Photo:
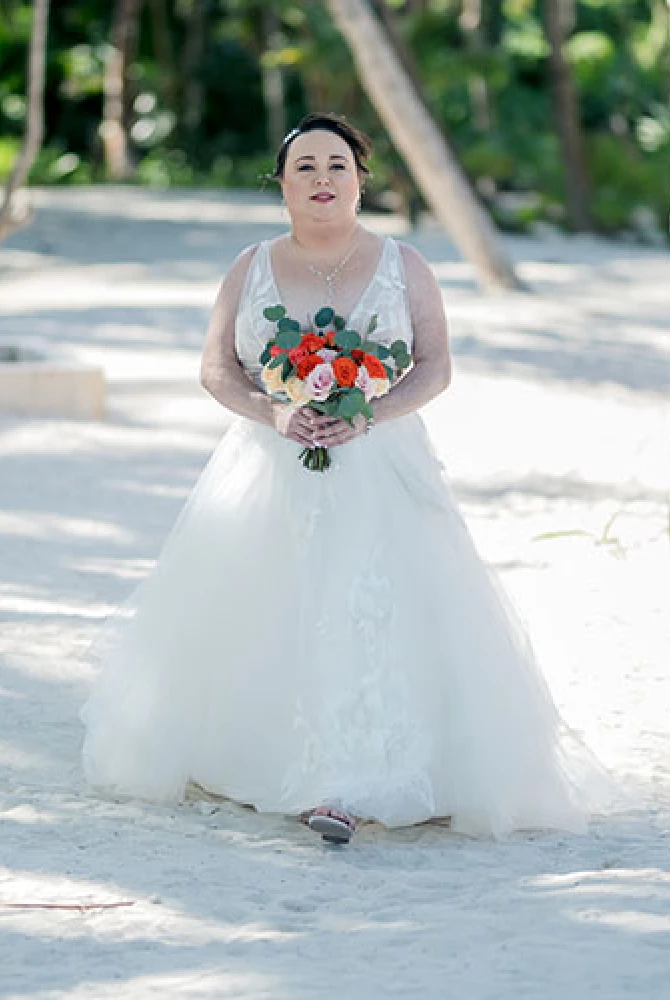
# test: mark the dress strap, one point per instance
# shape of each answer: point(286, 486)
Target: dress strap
point(396, 267)
point(395, 274)
point(257, 275)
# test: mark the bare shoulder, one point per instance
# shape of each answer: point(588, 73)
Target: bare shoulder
point(423, 290)
point(415, 264)
point(410, 254)
point(221, 328)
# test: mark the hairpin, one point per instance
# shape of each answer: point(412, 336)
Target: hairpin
point(290, 135)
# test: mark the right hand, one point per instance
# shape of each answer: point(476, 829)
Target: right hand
point(296, 424)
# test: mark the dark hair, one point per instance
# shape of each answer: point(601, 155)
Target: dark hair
point(358, 142)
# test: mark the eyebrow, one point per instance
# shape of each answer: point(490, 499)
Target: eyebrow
point(333, 156)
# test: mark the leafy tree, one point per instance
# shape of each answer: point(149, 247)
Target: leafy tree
point(15, 211)
point(209, 85)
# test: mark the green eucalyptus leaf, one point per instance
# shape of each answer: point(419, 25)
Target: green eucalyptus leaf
point(274, 313)
point(383, 352)
point(286, 325)
point(398, 346)
point(287, 369)
point(287, 340)
point(370, 347)
point(339, 322)
point(348, 340)
point(265, 356)
point(372, 325)
point(324, 317)
point(277, 361)
point(389, 372)
point(351, 404)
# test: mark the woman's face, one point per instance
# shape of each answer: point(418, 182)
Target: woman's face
point(320, 179)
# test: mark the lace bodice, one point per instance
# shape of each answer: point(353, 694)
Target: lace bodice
point(385, 295)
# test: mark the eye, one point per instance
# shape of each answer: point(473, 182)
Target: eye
point(304, 166)
point(338, 166)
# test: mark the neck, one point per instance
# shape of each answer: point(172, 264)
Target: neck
point(327, 241)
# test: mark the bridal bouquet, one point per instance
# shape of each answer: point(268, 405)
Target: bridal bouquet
point(329, 368)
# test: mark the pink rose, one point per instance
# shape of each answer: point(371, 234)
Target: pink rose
point(327, 354)
point(365, 381)
point(320, 381)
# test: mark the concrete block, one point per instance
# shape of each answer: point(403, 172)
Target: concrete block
point(41, 386)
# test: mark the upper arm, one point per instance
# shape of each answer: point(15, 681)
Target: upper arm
point(429, 322)
point(219, 346)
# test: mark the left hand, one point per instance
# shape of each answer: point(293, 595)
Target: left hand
point(330, 432)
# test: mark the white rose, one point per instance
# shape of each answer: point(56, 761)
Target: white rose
point(365, 382)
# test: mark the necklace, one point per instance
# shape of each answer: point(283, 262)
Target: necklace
point(329, 276)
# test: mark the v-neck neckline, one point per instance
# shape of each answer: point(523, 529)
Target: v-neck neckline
point(361, 297)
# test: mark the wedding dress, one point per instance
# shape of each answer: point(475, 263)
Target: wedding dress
point(309, 637)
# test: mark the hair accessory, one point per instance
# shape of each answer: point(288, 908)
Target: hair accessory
point(290, 135)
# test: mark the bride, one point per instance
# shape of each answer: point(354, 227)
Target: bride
point(329, 645)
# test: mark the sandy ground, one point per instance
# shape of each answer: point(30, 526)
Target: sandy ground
point(555, 432)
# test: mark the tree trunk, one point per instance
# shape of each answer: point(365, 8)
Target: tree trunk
point(113, 130)
point(273, 78)
point(15, 210)
point(434, 166)
point(472, 22)
point(194, 45)
point(566, 113)
point(163, 50)
point(389, 20)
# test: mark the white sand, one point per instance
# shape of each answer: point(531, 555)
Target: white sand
point(556, 424)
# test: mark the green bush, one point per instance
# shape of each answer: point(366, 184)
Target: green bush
point(9, 147)
point(625, 179)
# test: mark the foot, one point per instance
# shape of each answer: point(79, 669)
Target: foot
point(334, 825)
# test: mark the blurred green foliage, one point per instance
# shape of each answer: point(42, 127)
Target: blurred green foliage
point(209, 122)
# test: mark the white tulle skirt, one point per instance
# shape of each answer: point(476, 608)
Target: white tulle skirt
point(310, 637)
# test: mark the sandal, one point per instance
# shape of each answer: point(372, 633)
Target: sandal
point(334, 825)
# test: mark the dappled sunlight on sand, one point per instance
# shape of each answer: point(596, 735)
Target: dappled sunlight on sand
point(554, 435)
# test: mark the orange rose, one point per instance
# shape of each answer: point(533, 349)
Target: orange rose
point(345, 371)
point(308, 365)
point(312, 342)
point(358, 355)
point(298, 354)
point(374, 366)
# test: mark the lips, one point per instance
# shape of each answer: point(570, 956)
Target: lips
point(323, 196)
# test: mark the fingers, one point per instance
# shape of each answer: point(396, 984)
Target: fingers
point(302, 436)
point(320, 423)
point(338, 432)
point(311, 429)
point(300, 429)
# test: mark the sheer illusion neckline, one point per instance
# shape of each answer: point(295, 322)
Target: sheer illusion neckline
point(362, 296)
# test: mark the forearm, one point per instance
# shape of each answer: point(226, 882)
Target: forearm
point(230, 387)
point(423, 382)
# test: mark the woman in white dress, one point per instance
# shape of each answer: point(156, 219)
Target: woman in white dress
point(329, 645)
